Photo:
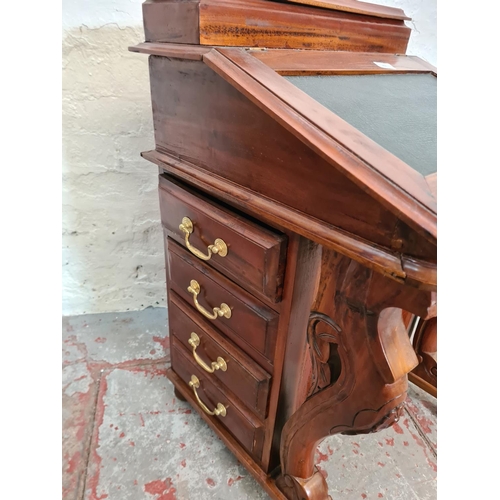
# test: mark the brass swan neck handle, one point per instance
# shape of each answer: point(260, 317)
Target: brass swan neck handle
point(219, 246)
point(224, 311)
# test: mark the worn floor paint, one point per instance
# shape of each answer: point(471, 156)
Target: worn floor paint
point(78, 404)
point(126, 437)
point(422, 408)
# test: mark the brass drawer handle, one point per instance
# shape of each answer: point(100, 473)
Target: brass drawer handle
point(220, 364)
point(220, 410)
point(218, 248)
point(223, 311)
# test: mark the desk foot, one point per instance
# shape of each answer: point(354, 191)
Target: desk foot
point(313, 488)
point(179, 395)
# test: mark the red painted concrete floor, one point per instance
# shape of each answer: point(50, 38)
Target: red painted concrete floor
point(126, 437)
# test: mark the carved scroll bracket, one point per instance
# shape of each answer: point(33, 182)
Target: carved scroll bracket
point(360, 355)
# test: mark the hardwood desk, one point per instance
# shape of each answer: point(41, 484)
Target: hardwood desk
point(297, 201)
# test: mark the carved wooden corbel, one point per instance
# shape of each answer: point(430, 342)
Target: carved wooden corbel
point(360, 354)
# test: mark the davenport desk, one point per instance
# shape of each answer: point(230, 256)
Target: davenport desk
point(296, 147)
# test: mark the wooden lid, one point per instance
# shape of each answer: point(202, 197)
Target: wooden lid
point(356, 7)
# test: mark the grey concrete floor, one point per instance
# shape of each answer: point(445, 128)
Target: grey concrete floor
point(126, 437)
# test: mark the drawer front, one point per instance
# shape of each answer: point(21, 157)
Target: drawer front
point(245, 427)
point(255, 255)
point(251, 325)
point(237, 372)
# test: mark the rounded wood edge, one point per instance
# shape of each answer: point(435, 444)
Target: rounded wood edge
point(408, 196)
point(370, 255)
point(419, 274)
point(173, 50)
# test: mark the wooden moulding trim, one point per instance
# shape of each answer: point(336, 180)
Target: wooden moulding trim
point(420, 271)
point(177, 51)
point(280, 9)
point(374, 257)
point(250, 464)
point(320, 62)
point(410, 199)
point(357, 7)
point(279, 358)
point(346, 135)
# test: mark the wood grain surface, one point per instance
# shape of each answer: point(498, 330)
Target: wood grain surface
point(247, 380)
point(252, 325)
point(255, 256)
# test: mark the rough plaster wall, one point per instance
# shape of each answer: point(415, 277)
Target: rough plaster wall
point(112, 242)
point(423, 40)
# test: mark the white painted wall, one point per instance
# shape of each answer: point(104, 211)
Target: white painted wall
point(112, 241)
point(423, 40)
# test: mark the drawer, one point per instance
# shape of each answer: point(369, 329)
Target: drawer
point(247, 380)
point(251, 325)
point(255, 255)
point(244, 426)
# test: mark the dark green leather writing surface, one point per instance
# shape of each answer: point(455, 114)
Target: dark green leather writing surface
point(398, 111)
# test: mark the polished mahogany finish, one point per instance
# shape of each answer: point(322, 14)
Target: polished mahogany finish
point(350, 25)
point(297, 248)
point(255, 255)
point(252, 325)
point(241, 375)
point(353, 377)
